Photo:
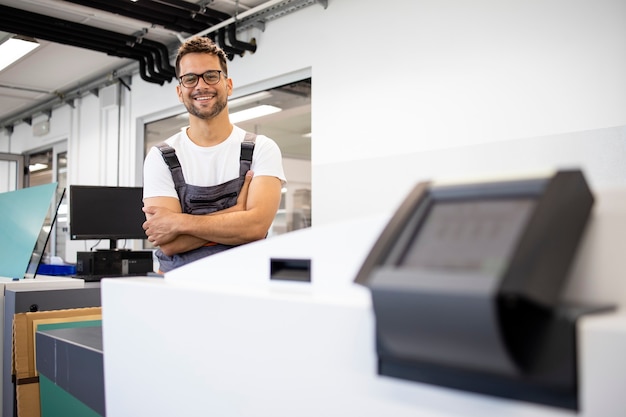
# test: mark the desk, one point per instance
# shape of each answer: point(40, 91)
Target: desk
point(42, 293)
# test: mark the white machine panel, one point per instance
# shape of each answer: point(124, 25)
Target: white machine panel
point(217, 337)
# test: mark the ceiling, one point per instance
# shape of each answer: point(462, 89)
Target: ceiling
point(87, 44)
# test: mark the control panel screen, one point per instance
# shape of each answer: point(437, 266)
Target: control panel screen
point(473, 235)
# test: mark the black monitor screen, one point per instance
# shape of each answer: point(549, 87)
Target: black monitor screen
point(472, 235)
point(103, 212)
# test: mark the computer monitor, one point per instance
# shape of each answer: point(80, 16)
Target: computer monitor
point(105, 212)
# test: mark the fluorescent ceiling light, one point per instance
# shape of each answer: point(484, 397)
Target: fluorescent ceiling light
point(262, 95)
point(253, 113)
point(37, 167)
point(13, 49)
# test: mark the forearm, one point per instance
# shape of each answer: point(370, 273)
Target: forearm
point(238, 227)
point(182, 243)
point(228, 228)
point(241, 224)
point(185, 237)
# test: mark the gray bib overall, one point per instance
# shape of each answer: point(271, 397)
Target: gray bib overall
point(203, 200)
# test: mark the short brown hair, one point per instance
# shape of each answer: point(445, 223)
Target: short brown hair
point(201, 44)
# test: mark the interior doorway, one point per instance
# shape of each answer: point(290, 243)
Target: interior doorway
point(44, 167)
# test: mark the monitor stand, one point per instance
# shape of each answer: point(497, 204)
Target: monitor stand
point(113, 247)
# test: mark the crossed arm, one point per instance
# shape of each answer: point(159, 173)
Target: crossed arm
point(249, 220)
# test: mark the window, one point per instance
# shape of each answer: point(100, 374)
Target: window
point(288, 123)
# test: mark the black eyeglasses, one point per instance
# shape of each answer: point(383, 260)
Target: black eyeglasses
point(210, 77)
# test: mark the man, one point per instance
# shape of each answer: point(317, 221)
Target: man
point(202, 194)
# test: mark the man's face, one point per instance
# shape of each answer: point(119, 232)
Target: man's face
point(203, 101)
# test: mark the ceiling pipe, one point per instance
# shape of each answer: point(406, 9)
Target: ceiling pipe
point(255, 15)
point(173, 18)
point(196, 8)
point(146, 65)
point(146, 60)
point(214, 38)
point(189, 16)
point(235, 43)
point(140, 13)
point(233, 47)
point(154, 54)
point(184, 16)
point(229, 49)
point(240, 16)
point(136, 10)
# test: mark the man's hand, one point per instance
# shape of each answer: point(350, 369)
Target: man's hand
point(161, 225)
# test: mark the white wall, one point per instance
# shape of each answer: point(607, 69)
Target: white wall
point(405, 91)
point(461, 83)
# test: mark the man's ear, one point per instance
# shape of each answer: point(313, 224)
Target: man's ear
point(229, 86)
point(179, 92)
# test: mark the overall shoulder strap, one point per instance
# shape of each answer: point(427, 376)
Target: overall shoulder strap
point(247, 148)
point(171, 160)
point(169, 155)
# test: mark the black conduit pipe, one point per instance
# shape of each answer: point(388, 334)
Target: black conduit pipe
point(138, 11)
point(74, 34)
point(33, 29)
point(177, 15)
point(195, 9)
point(214, 38)
point(234, 42)
point(221, 40)
point(153, 78)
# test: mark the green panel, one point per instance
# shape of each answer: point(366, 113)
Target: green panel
point(69, 324)
point(56, 402)
point(22, 215)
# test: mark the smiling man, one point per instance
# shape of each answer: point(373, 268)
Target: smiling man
point(211, 186)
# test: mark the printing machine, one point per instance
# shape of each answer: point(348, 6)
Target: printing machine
point(479, 299)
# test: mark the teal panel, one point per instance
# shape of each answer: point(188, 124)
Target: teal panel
point(56, 402)
point(22, 215)
point(69, 324)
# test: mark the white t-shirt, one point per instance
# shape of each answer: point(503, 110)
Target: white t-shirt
point(208, 166)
